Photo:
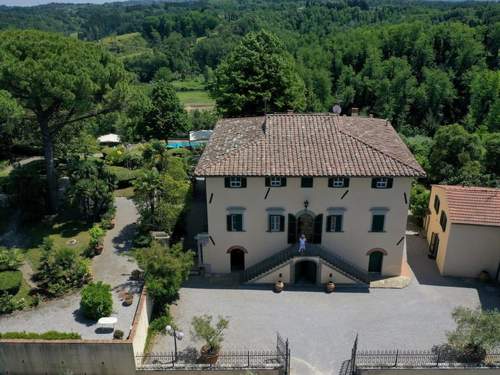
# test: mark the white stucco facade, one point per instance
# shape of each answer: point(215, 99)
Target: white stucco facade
point(357, 203)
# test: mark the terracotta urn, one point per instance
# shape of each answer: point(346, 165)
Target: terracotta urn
point(329, 287)
point(208, 356)
point(279, 286)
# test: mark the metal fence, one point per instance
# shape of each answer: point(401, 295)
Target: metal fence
point(410, 359)
point(241, 359)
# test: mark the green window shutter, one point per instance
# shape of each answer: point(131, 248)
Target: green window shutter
point(238, 222)
point(330, 184)
point(269, 218)
point(268, 181)
point(243, 182)
point(338, 223)
point(282, 223)
point(226, 182)
point(374, 183)
point(378, 223)
point(318, 228)
point(228, 223)
point(389, 183)
point(292, 229)
point(328, 223)
point(283, 181)
point(346, 182)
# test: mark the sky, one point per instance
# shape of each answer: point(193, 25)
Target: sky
point(39, 2)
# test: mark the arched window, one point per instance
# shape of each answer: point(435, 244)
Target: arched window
point(237, 258)
point(375, 261)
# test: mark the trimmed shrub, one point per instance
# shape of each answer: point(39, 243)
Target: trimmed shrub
point(118, 334)
point(10, 281)
point(125, 177)
point(49, 335)
point(96, 301)
point(10, 259)
point(7, 303)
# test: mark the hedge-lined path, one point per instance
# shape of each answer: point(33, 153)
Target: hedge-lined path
point(112, 267)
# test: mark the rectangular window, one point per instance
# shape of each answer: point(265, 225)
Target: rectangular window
point(276, 223)
point(306, 182)
point(443, 220)
point(235, 182)
point(378, 221)
point(275, 181)
point(235, 223)
point(382, 183)
point(434, 245)
point(437, 203)
point(338, 182)
point(334, 223)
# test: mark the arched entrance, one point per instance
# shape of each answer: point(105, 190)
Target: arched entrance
point(375, 261)
point(305, 226)
point(305, 272)
point(237, 259)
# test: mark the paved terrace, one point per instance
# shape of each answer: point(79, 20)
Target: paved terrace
point(113, 266)
point(322, 327)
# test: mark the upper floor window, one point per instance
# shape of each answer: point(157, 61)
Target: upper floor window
point(234, 222)
point(382, 183)
point(234, 182)
point(338, 182)
point(443, 220)
point(437, 203)
point(378, 222)
point(275, 181)
point(334, 223)
point(306, 182)
point(276, 223)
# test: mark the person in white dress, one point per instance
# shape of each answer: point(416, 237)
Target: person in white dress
point(302, 243)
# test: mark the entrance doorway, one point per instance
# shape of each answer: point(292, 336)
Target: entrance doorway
point(305, 272)
point(375, 262)
point(305, 226)
point(237, 260)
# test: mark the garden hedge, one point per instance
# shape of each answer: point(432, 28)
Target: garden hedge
point(10, 281)
point(49, 335)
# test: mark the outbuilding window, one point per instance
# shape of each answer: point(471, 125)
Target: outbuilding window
point(437, 203)
point(443, 220)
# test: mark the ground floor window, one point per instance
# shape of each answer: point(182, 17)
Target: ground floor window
point(276, 223)
point(235, 222)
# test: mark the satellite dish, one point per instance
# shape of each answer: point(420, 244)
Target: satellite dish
point(337, 109)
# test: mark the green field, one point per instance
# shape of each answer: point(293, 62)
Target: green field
point(195, 99)
point(126, 45)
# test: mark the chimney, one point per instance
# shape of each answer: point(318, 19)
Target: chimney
point(354, 111)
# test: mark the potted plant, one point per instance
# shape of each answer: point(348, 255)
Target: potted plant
point(330, 286)
point(128, 299)
point(279, 285)
point(96, 239)
point(212, 335)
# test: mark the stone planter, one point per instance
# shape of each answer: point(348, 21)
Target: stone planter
point(99, 249)
point(128, 299)
point(279, 286)
point(329, 287)
point(207, 356)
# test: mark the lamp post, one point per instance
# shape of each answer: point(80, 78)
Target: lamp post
point(178, 335)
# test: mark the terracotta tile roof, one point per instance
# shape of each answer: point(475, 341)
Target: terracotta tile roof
point(472, 205)
point(306, 145)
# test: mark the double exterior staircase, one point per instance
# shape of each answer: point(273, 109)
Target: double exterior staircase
point(336, 262)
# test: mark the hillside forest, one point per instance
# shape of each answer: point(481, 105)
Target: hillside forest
point(69, 73)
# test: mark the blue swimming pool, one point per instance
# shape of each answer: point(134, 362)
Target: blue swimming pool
point(175, 143)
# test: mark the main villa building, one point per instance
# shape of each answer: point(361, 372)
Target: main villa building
point(343, 183)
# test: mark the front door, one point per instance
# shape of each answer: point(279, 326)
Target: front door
point(375, 262)
point(305, 226)
point(237, 260)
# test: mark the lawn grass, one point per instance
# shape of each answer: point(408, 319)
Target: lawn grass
point(126, 45)
point(195, 98)
point(125, 193)
point(62, 229)
point(191, 84)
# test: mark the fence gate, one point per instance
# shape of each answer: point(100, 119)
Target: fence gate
point(283, 350)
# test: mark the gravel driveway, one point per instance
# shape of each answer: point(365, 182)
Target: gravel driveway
point(321, 328)
point(112, 267)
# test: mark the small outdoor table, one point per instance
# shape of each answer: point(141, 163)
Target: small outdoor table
point(107, 321)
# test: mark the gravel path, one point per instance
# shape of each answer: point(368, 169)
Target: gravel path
point(113, 266)
point(322, 327)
